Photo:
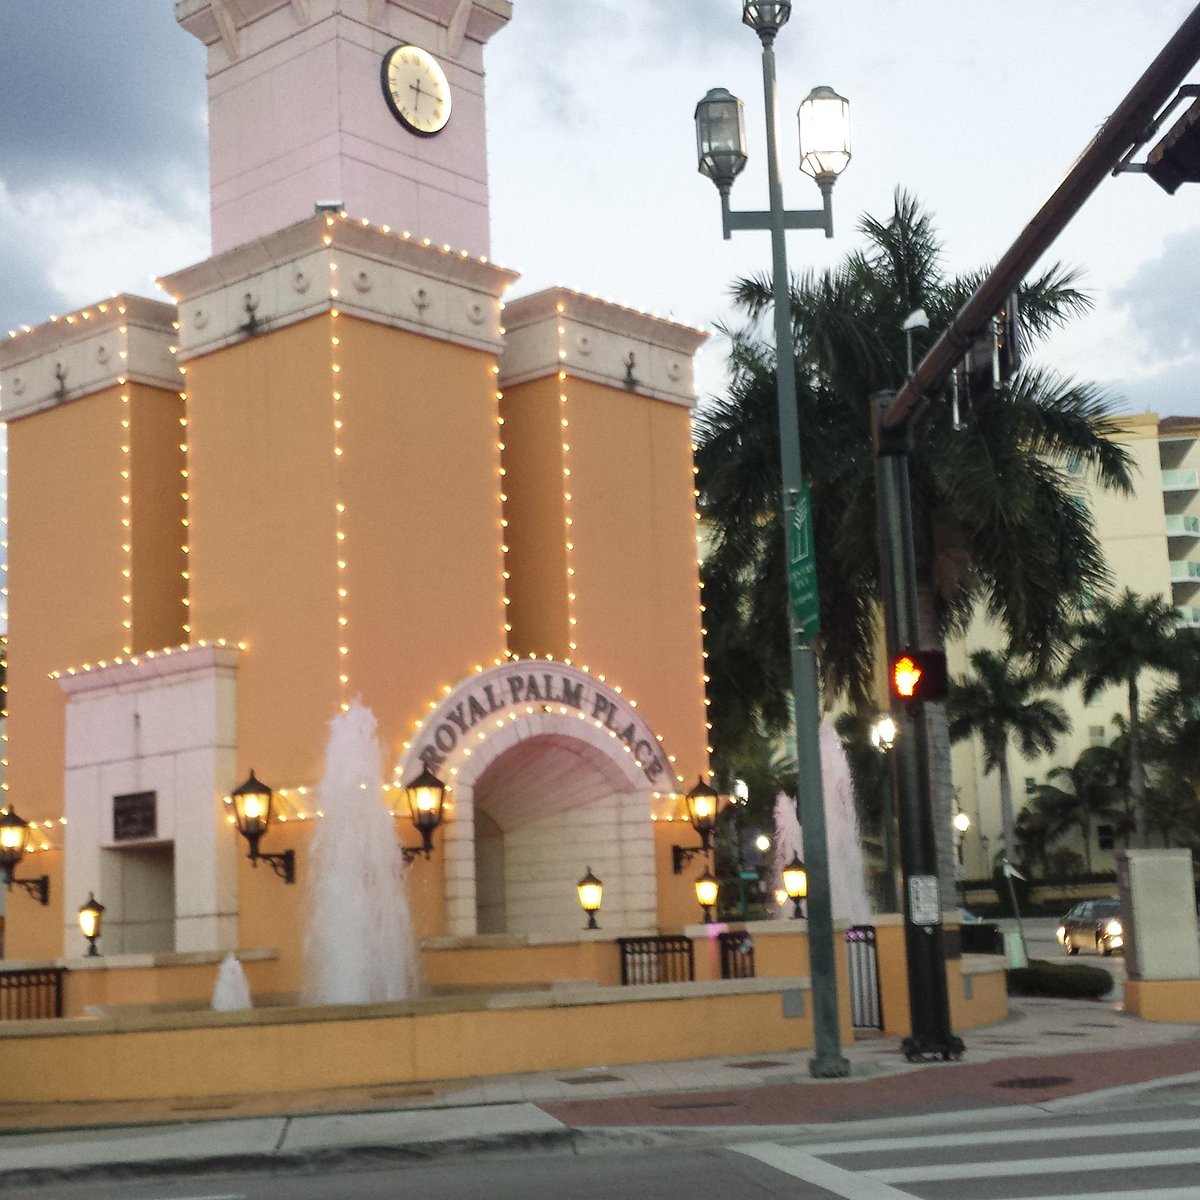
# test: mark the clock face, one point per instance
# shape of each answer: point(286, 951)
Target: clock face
point(417, 90)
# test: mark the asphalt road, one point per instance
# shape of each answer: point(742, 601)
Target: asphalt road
point(1132, 1148)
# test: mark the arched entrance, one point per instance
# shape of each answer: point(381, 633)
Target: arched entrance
point(551, 770)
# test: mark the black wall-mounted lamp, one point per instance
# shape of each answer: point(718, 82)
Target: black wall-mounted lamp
point(703, 806)
point(425, 794)
point(252, 810)
point(14, 842)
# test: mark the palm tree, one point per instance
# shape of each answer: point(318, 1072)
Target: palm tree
point(1082, 794)
point(998, 703)
point(1119, 639)
point(999, 525)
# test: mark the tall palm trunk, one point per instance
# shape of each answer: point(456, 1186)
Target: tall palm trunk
point(1137, 774)
point(1008, 821)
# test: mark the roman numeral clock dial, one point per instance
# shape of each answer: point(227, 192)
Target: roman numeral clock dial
point(416, 89)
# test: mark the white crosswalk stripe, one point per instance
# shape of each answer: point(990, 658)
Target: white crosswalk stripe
point(1065, 1156)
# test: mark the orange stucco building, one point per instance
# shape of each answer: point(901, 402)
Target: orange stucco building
point(339, 467)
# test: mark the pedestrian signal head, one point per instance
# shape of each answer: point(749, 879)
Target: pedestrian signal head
point(918, 675)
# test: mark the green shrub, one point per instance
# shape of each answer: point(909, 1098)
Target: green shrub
point(1069, 981)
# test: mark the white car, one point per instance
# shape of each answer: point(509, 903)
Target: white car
point(1095, 924)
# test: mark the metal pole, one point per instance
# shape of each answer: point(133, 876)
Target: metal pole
point(929, 1002)
point(828, 1062)
point(1125, 128)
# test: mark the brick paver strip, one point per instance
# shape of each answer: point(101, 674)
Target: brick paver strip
point(927, 1088)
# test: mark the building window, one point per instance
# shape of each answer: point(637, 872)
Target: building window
point(1030, 785)
point(1096, 735)
point(1106, 837)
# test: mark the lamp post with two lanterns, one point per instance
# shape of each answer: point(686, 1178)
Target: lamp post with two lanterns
point(824, 154)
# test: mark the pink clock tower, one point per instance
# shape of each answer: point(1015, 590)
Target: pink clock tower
point(298, 115)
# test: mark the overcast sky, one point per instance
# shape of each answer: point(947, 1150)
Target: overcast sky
point(979, 109)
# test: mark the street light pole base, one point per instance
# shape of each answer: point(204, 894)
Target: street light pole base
point(922, 1050)
point(829, 1066)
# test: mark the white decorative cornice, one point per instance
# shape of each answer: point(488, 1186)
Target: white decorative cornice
point(213, 21)
point(138, 671)
point(123, 339)
point(331, 261)
point(561, 330)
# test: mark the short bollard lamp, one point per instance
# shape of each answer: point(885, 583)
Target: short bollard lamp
point(707, 889)
point(90, 917)
point(252, 807)
point(425, 795)
point(795, 883)
point(14, 841)
point(591, 892)
point(703, 808)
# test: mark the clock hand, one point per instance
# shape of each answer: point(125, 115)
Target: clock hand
point(416, 87)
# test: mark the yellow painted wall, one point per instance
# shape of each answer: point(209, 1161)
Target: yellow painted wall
point(676, 896)
point(67, 561)
point(261, 489)
point(537, 556)
point(1163, 999)
point(420, 479)
point(636, 574)
point(158, 508)
point(481, 966)
point(257, 1052)
point(33, 932)
point(418, 483)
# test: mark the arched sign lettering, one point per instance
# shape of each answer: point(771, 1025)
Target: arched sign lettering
point(525, 686)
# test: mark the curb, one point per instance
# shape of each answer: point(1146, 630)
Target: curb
point(368, 1156)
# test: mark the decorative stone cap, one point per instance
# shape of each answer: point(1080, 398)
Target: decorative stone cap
point(217, 21)
point(103, 345)
point(593, 339)
point(332, 261)
point(138, 671)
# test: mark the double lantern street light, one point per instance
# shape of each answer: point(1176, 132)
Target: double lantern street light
point(253, 807)
point(824, 154)
point(703, 808)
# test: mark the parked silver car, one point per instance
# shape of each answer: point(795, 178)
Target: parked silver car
point(1095, 924)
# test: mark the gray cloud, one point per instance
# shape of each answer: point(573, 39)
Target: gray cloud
point(1173, 391)
point(102, 91)
point(26, 296)
point(1160, 297)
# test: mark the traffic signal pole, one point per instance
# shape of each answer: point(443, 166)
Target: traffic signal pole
point(929, 1001)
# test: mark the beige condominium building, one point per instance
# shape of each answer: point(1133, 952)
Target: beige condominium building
point(1151, 540)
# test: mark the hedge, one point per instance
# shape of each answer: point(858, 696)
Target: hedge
point(1071, 981)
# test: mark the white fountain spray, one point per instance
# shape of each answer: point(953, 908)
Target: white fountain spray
point(359, 948)
point(847, 879)
point(232, 989)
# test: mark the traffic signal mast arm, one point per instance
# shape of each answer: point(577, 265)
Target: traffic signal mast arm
point(1125, 128)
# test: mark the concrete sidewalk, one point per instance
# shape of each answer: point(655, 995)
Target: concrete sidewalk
point(1047, 1051)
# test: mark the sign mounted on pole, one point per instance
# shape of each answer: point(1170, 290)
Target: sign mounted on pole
point(803, 599)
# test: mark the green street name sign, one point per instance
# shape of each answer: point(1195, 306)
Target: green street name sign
point(803, 600)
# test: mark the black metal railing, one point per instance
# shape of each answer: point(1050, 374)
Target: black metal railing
point(665, 959)
point(737, 954)
point(31, 995)
point(865, 1008)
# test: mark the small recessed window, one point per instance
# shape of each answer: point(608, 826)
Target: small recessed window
point(1096, 735)
point(1106, 837)
point(1030, 785)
